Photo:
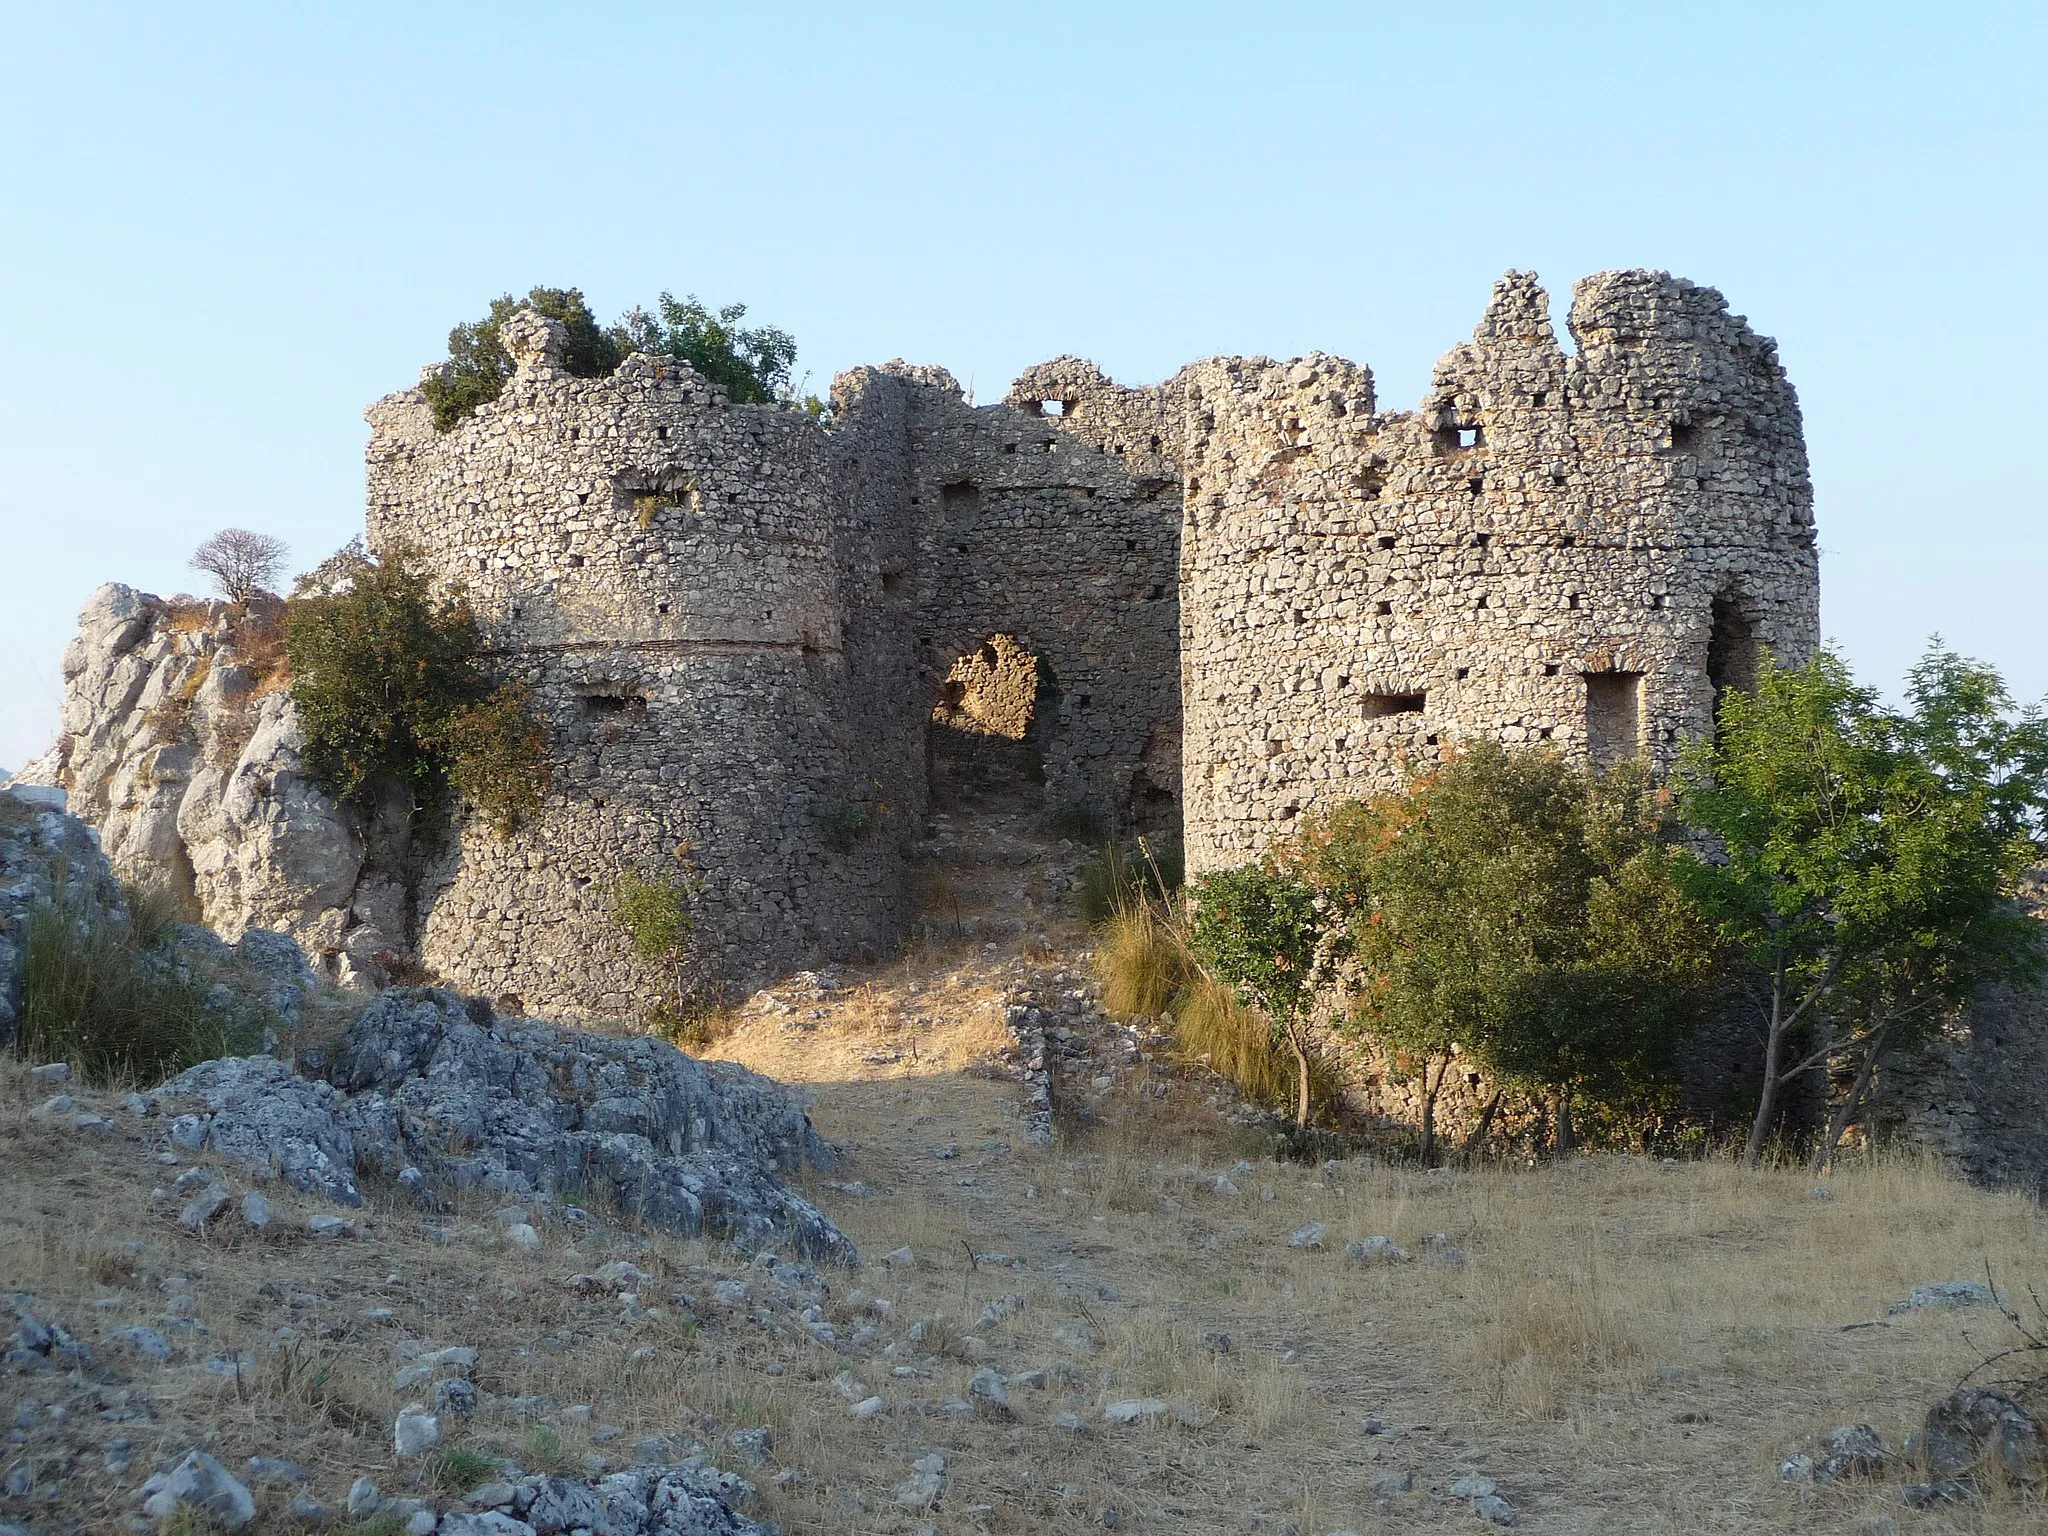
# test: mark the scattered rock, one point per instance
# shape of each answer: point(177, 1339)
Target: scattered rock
point(203, 1207)
point(144, 1341)
point(753, 1445)
point(1948, 1293)
point(202, 1485)
point(926, 1484)
point(1494, 1509)
point(1375, 1250)
point(1981, 1429)
point(256, 1210)
point(987, 1386)
point(415, 1432)
point(1309, 1236)
point(1134, 1409)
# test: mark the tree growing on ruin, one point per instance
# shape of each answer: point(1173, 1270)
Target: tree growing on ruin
point(389, 685)
point(1512, 911)
point(242, 563)
point(1865, 861)
point(1262, 931)
point(478, 364)
point(750, 363)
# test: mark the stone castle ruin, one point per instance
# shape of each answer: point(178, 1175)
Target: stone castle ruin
point(1202, 609)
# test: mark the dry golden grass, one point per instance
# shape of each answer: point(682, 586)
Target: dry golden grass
point(1536, 1362)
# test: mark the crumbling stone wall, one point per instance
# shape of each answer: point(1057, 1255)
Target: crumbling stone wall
point(1054, 518)
point(1566, 548)
point(668, 572)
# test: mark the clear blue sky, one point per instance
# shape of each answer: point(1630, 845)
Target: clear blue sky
point(224, 230)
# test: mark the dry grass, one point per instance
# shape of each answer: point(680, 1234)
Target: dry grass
point(1536, 1362)
point(1145, 970)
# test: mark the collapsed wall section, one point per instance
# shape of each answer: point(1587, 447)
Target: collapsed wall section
point(1577, 549)
point(665, 571)
point(1052, 519)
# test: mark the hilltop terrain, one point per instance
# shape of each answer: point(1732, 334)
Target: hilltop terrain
point(1146, 1325)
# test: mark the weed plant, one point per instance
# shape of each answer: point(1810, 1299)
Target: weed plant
point(101, 990)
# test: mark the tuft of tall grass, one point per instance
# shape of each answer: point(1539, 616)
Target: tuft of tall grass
point(100, 991)
point(1145, 966)
point(1124, 876)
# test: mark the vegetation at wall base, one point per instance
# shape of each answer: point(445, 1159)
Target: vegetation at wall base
point(390, 689)
point(1866, 862)
point(101, 990)
point(657, 916)
point(1147, 969)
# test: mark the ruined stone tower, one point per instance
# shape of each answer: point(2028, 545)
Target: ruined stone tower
point(1579, 549)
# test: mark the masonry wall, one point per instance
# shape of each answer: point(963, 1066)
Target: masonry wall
point(669, 573)
point(1061, 531)
point(1573, 548)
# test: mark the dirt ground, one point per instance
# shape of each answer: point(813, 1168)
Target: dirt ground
point(1620, 1345)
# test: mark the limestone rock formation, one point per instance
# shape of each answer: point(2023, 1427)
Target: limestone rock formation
point(432, 1090)
point(178, 746)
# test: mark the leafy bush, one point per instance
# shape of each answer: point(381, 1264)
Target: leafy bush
point(1261, 930)
point(751, 364)
point(656, 914)
point(1512, 910)
point(1866, 860)
point(101, 989)
point(1146, 968)
point(479, 366)
point(386, 678)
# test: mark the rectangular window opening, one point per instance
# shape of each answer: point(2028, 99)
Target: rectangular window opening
point(1614, 723)
point(1380, 705)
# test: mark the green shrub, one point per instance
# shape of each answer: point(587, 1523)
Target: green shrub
point(479, 366)
point(388, 685)
point(1144, 964)
point(841, 826)
point(751, 364)
point(101, 990)
point(657, 917)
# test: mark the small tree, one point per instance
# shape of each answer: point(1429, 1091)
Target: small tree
point(750, 363)
point(478, 365)
point(242, 564)
point(389, 688)
point(656, 916)
point(1865, 860)
point(1262, 932)
point(1512, 910)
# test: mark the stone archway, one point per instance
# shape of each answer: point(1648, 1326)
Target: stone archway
point(987, 734)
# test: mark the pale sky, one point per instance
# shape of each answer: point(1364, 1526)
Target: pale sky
point(225, 230)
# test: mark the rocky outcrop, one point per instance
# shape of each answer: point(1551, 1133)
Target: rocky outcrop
point(45, 856)
point(181, 749)
point(430, 1090)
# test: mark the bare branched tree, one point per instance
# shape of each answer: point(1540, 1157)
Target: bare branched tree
point(241, 562)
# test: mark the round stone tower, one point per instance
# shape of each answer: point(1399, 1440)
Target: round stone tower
point(664, 569)
point(1579, 549)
